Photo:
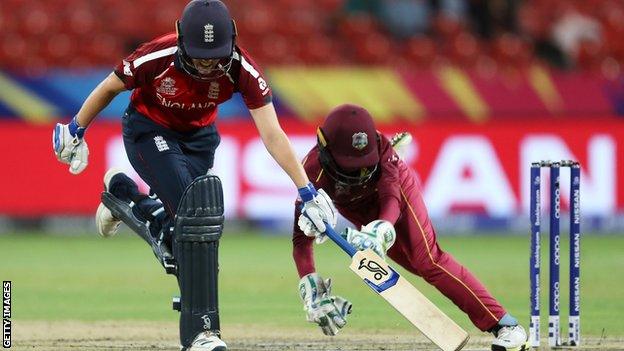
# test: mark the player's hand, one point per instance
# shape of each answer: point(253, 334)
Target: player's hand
point(378, 235)
point(70, 147)
point(329, 312)
point(318, 208)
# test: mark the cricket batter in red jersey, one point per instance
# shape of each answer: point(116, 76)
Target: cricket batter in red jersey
point(170, 138)
point(373, 188)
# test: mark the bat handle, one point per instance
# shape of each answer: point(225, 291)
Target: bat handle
point(339, 240)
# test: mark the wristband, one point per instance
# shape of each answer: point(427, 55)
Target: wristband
point(75, 129)
point(307, 193)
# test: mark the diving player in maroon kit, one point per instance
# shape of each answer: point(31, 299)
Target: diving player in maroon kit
point(373, 188)
point(170, 137)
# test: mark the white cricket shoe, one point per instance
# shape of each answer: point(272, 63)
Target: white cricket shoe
point(511, 339)
point(207, 341)
point(106, 224)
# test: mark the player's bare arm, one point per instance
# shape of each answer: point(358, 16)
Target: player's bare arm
point(318, 207)
point(99, 98)
point(277, 143)
point(68, 139)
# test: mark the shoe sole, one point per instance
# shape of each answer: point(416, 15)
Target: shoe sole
point(108, 176)
point(524, 347)
point(201, 348)
point(99, 223)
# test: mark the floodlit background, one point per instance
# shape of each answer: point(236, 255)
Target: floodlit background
point(484, 86)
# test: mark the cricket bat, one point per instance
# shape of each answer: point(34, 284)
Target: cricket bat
point(403, 296)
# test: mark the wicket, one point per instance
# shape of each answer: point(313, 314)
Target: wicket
point(554, 337)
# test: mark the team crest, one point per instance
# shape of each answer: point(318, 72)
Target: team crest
point(208, 33)
point(167, 86)
point(360, 140)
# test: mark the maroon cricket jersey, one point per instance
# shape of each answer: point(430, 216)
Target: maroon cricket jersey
point(396, 196)
point(378, 199)
point(174, 99)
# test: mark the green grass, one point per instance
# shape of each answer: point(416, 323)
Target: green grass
point(88, 278)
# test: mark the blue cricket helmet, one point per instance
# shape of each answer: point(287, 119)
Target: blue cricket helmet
point(206, 30)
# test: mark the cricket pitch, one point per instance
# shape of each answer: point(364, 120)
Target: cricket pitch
point(140, 335)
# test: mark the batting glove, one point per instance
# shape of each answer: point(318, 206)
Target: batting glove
point(328, 312)
point(318, 208)
point(70, 147)
point(378, 235)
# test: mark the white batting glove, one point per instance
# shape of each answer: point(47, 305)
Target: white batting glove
point(70, 147)
point(318, 208)
point(308, 228)
point(329, 312)
point(378, 235)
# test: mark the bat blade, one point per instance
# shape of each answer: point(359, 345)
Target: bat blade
point(408, 301)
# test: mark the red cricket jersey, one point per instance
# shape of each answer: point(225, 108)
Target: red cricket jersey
point(172, 98)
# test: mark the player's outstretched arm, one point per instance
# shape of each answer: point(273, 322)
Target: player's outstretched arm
point(68, 139)
point(99, 98)
point(277, 143)
point(317, 206)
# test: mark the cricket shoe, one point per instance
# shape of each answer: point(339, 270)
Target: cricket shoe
point(207, 341)
point(511, 338)
point(107, 225)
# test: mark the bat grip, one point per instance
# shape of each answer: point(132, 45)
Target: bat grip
point(339, 240)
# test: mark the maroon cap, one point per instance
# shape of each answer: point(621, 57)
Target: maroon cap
point(350, 136)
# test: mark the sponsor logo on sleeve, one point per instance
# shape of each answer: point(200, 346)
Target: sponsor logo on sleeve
point(126, 68)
